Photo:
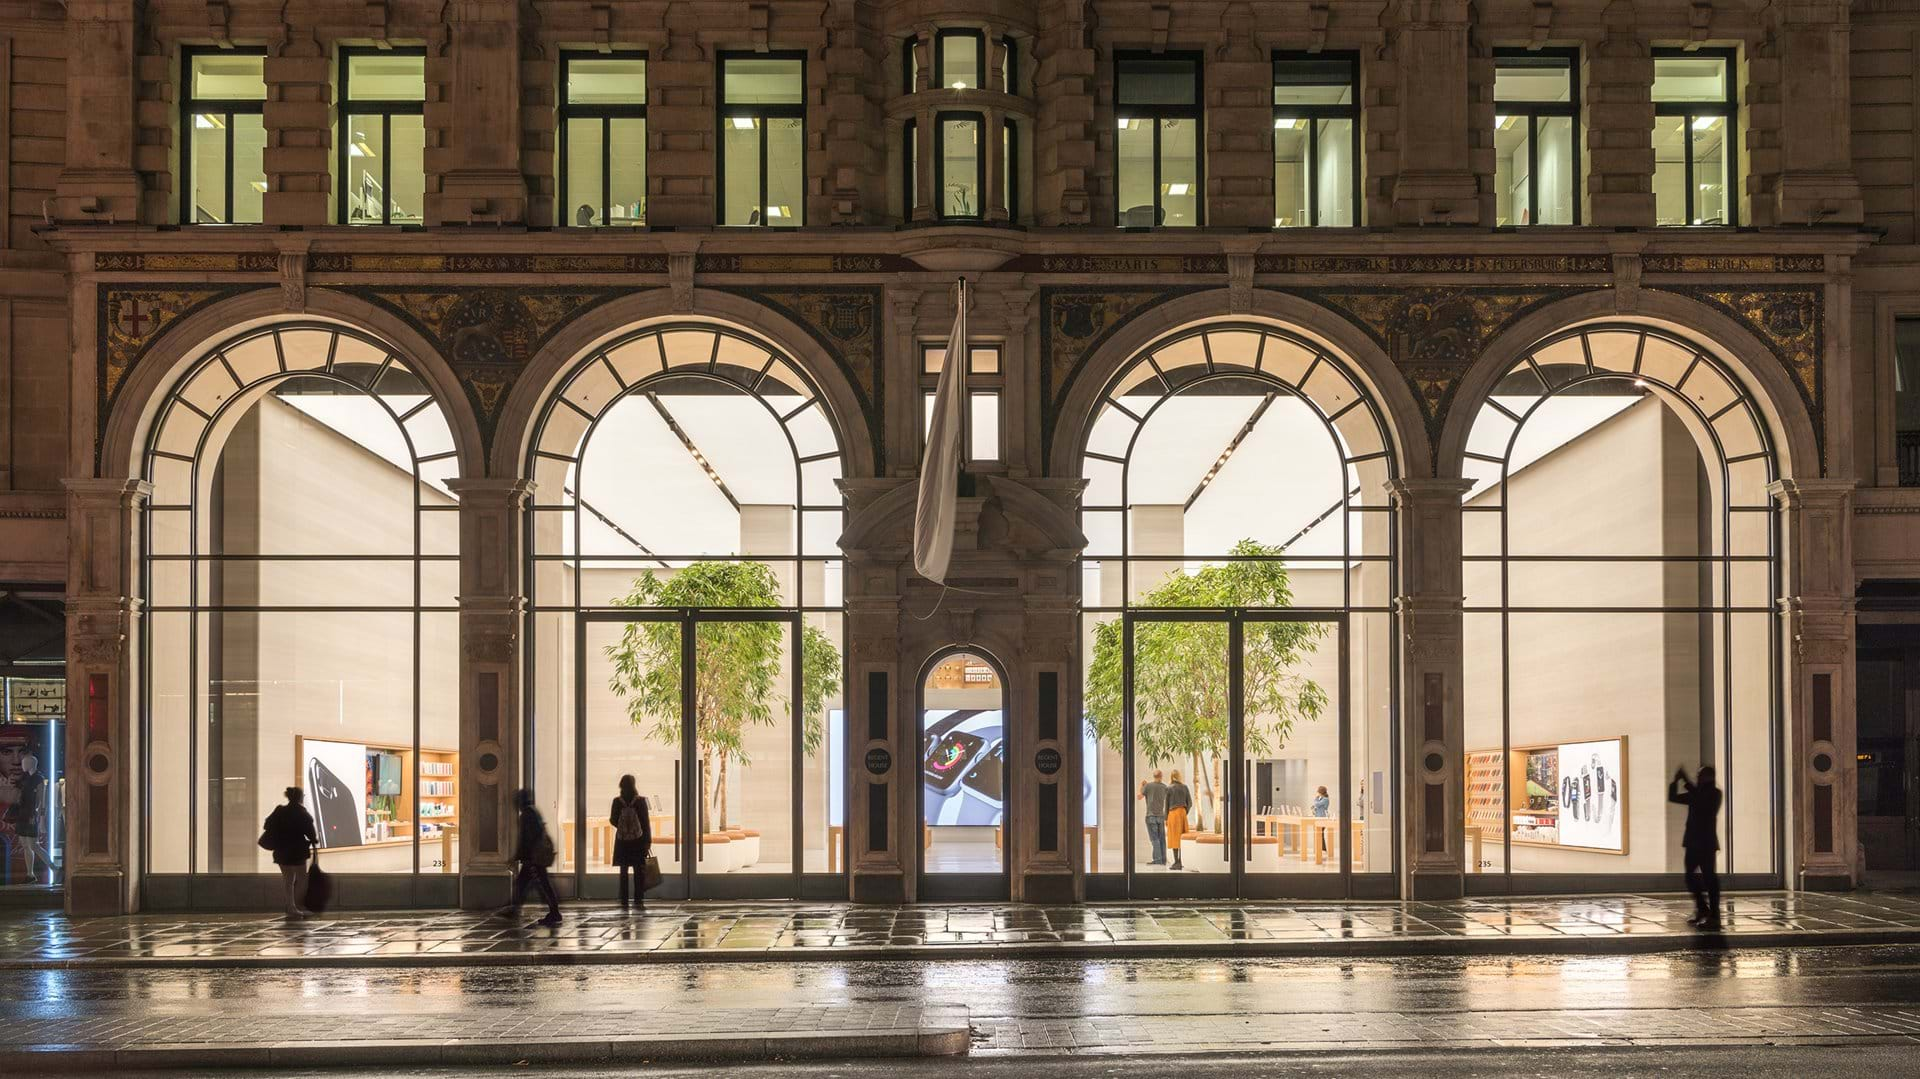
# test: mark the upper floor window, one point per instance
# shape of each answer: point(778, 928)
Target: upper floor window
point(382, 136)
point(1536, 128)
point(986, 383)
point(960, 164)
point(1010, 166)
point(603, 138)
point(1009, 66)
point(223, 177)
point(763, 139)
point(1316, 140)
point(1906, 398)
point(960, 59)
point(1157, 152)
point(1695, 172)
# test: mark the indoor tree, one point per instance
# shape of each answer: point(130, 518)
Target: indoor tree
point(1180, 675)
point(739, 668)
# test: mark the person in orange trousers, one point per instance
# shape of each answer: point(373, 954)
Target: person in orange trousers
point(1179, 803)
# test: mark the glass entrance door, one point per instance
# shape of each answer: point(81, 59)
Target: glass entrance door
point(1238, 749)
point(703, 710)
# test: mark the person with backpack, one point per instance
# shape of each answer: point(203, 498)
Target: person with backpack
point(290, 835)
point(632, 842)
point(534, 850)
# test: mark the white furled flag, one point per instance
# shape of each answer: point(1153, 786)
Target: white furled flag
point(933, 516)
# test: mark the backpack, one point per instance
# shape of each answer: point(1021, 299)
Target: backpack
point(270, 831)
point(627, 828)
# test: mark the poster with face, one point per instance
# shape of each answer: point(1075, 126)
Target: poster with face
point(334, 775)
point(1592, 773)
point(25, 752)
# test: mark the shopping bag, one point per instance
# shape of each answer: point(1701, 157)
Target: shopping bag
point(650, 874)
point(319, 887)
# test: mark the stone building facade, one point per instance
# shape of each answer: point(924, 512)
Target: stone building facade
point(492, 297)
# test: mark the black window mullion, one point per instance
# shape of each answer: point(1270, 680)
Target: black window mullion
point(386, 168)
point(1533, 165)
point(1686, 148)
point(1313, 170)
point(606, 169)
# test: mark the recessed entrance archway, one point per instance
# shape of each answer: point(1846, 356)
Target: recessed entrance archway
point(963, 795)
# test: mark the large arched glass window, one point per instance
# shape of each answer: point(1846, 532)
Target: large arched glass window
point(686, 620)
point(1620, 575)
point(301, 575)
point(1238, 586)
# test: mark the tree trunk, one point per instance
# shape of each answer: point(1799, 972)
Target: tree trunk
point(706, 795)
point(721, 794)
point(1219, 802)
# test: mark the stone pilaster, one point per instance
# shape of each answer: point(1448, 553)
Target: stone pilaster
point(1048, 859)
point(1619, 126)
point(1818, 610)
point(1435, 184)
point(1432, 671)
point(482, 181)
point(1063, 137)
point(492, 607)
point(299, 118)
point(539, 129)
point(1816, 183)
point(99, 182)
point(882, 732)
point(855, 77)
point(1239, 127)
point(102, 733)
point(681, 97)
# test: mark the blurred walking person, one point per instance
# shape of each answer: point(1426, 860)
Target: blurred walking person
point(1154, 794)
point(1700, 842)
point(29, 816)
point(1179, 804)
point(533, 849)
point(632, 842)
point(290, 835)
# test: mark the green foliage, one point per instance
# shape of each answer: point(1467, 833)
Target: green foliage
point(1180, 672)
point(739, 667)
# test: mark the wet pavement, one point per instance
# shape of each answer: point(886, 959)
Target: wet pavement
point(1801, 999)
point(698, 932)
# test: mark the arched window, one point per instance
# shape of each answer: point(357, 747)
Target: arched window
point(301, 629)
point(1620, 575)
point(686, 620)
point(1238, 586)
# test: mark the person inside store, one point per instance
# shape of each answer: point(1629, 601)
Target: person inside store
point(290, 835)
point(632, 842)
point(533, 849)
point(1179, 804)
point(1322, 805)
point(1700, 842)
point(1154, 793)
point(28, 816)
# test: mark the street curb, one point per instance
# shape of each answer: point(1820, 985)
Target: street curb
point(933, 1041)
point(1358, 948)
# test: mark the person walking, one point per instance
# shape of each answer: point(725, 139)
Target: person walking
point(1700, 842)
point(632, 842)
point(1154, 794)
point(290, 835)
point(1179, 804)
point(534, 851)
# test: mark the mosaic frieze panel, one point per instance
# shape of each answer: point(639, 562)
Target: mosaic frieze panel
point(1402, 264)
point(486, 334)
point(845, 320)
point(1075, 323)
point(132, 318)
point(1790, 321)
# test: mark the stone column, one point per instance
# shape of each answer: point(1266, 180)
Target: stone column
point(1063, 138)
point(483, 181)
point(102, 734)
point(855, 128)
point(1816, 184)
point(1239, 128)
point(1619, 121)
point(1436, 184)
point(682, 146)
point(1432, 672)
point(493, 599)
point(881, 766)
point(1048, 853)
point(1818, 612)
point(99, 182)
point(299, 119)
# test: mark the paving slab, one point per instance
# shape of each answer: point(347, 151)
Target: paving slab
point(750, 932)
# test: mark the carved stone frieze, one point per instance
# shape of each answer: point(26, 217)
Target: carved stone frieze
point(131, 319)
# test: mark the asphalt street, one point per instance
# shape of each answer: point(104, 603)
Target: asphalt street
point(1753, 1013)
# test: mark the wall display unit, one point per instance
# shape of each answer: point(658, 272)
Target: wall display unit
point(1570, 794)
point(363, 794)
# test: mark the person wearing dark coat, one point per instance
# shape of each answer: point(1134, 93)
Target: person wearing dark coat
point(533, 850)
point(1700, 842)
point(290, 835)
point(632, 842)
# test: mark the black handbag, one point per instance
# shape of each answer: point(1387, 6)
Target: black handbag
point(319, 887)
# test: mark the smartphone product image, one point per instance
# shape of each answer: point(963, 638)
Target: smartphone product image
point(336, 815)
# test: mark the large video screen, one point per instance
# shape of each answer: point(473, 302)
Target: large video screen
point(963, 766)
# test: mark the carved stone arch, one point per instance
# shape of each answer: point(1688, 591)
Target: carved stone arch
point(1377, 372)
point(1036, 527)
point(519, 419)
point(1796, 438)
point(123, 436)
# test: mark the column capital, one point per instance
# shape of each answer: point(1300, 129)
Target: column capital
point(118, 490)
point(1414, 489)
point(491, 488)
point(1798, 494)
